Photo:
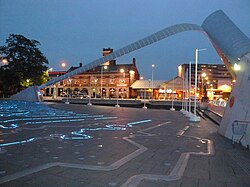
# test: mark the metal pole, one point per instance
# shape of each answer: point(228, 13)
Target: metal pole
point(195, 118)
point(152, 86)
point(67, 101)
point(183, 94)
point(117, 92)
point(172, 108)
point(67, 95)
point(189, 89)
point(186, 91)
point(95, 88)
point(195, 80)
point(202, 94)
point(89, 103)
point(144, 106)
point(101, 79)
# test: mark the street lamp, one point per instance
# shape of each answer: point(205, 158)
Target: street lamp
point(102, 67)
point(63, 64)
point(183, 94)
point(117, 92)
point(172, 108)
point(5, 61)
point(89, 92)
point(54, 91)
point(95, 87)
point(186, 93)
point(123, 82)
point(203, 75)
point(188, 113)
point(67, 101)
point(153, 66)
point(28, 82)
point(236, 67)
point(195, 118)
point(144, 105)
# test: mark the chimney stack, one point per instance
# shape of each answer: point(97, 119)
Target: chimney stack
point(134, 61)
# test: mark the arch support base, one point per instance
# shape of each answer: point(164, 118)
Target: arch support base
point(28, 94)
point(238, 107)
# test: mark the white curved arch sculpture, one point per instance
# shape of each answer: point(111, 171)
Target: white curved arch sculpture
point(169, 31)
point(230, 43)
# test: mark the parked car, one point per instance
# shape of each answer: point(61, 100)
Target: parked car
point(83, 95)
point(63, 94)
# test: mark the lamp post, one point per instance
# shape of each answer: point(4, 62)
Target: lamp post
point(28, 82)
point(195, 118)
point(67, 101)
point(95, 87)
point(89, 94)
point(236, 67)
point(54, 92)
point(186, 93)
point(172, 108)
point(144, 104)
point(63, 65)
point(102, 67)
point(203, 75)
point(70, 80)
point(152, 83)
point(117, 95)
point(183, 95)
point(4, 61)
point(188, 114)
point(123, 80)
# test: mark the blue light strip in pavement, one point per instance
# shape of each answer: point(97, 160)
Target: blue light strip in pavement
point(54, 121)
point(81, 134)
point(12, 126)
point(138, 122)
point(45, 118)
point(17, 142)
point(105, 118)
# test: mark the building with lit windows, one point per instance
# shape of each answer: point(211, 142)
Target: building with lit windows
point(214, 80)
point(159, 89)
point(110, 80)
point(57, 88)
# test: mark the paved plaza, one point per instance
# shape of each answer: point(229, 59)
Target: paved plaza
point(53, 144)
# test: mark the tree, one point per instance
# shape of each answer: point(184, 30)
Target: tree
point(26, 63)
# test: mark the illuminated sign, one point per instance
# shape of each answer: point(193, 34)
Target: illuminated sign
point(121, 85)
point(161, 91)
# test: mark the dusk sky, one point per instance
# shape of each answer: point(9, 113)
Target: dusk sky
point(77, 30)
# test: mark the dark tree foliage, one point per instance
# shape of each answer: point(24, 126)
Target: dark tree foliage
point(26, 64)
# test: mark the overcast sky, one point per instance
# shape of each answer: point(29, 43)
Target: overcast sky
point(76, 30)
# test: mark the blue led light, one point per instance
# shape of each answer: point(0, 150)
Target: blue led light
point(30, 113)
point(81, 134)
point(101, 118)
point(17, 142)
point(138, 122)
point(54, 121)
point(12, 126)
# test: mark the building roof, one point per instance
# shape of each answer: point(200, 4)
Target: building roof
point(111, 68)
point(56, 73)
point(142, 84)
point(175, 83)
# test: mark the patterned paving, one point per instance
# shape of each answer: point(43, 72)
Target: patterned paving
point(74, 145)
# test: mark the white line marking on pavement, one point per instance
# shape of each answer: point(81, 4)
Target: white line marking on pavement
point(179, 168)
point(142, 132)
point(113, 166)
point(182, 131)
